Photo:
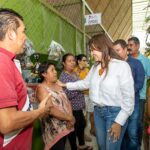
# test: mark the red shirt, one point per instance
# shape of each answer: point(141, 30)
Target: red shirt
point(13, 93)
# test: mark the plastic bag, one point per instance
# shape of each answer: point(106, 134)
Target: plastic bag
point(29, 50)
point(55, 51)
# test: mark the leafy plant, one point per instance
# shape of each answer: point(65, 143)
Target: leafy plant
point(147, 53)
point(147, 19)
point(148, 30)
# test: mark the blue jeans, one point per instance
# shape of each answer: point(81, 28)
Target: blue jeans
point(131, 138)
point(104, 118)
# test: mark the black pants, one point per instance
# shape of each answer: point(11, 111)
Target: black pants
point(60, 145)
point(141, 119)
point(79, 130)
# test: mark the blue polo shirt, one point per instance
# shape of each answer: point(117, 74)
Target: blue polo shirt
point(138, 74)
point(146, 64)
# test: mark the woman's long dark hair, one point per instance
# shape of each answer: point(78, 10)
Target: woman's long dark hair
point(103, 44)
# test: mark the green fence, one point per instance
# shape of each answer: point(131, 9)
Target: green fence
point(44, 25)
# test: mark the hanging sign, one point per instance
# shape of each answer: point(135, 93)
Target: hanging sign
point(93, 19)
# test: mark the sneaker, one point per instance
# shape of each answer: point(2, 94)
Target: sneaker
point(85, 147)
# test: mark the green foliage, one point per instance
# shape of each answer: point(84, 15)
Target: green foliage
point(148, 30)
point(148, 44)
point(147, 53)
point(37, 143)
point(147, 19)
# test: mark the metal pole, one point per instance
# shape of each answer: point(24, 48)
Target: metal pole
point(83, 26)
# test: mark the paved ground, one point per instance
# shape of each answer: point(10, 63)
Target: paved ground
point(93, 143)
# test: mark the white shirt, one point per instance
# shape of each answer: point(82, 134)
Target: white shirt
point(114, 89)
point(18, 65)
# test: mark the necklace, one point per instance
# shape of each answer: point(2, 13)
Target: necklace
point(101, 71)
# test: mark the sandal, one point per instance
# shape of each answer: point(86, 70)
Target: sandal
point(86, 148)
point(87, 138)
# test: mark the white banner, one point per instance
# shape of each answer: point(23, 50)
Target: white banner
point(93, 19)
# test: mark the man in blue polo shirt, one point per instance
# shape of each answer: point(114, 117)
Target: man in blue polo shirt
point(131, 139)
point(133, 47)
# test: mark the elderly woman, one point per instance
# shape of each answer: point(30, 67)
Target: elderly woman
point(111, 89)
point(60, 120)
point(77, 100)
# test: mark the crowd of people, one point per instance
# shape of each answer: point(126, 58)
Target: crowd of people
point(110, 95)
